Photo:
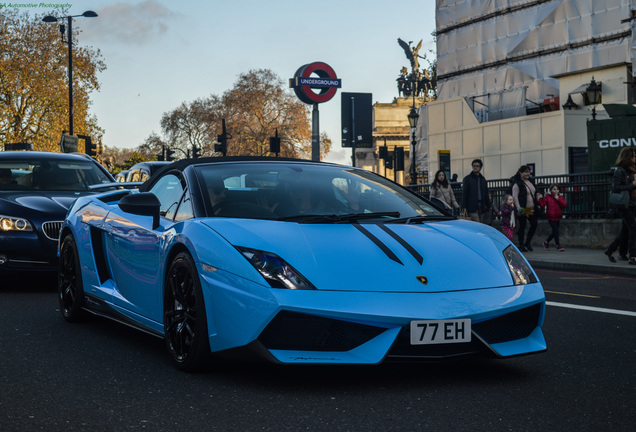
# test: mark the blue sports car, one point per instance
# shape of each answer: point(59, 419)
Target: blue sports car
point(298, 262)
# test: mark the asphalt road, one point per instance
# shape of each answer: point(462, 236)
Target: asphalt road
point(103, 376)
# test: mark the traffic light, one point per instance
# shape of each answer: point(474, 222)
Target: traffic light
point(388, 162)
point(196, 152)
point(89, 148)
point(383, 151)
point(274, 144)
point(169, 154)
point(221, 147)
point(399, 158)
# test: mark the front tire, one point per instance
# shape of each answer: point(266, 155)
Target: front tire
point(69, 281)
point(184, 317)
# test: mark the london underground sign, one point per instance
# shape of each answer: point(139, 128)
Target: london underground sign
point(315, 83)
point(326, 83)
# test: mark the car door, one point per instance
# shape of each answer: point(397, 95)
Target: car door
point(135, 252)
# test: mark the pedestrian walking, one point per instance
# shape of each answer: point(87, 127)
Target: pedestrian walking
point(475, 200)
point(554, 203)
point(525, 196)
point(623, 180)
point(508, 219)
point(442, 190)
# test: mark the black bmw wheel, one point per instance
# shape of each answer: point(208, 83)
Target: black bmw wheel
point(184, 319)
point(69, 281)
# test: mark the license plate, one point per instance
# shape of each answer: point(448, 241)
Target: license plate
point(440, 331)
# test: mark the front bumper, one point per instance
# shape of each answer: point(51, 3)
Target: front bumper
point(27, 251)
point(367, 328)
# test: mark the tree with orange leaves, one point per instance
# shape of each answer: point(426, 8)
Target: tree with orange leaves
point(258, 105)
point(34, 83)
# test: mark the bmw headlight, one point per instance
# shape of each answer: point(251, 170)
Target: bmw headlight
point(8, 223)
point(521, 272)
point(276, 271)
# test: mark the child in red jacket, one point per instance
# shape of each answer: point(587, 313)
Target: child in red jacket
point(554, 204)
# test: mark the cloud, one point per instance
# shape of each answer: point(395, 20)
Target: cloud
point(339, 155)
point(129, 23)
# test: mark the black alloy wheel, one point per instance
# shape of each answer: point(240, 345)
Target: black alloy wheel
point(184, 318)
point(69, 281)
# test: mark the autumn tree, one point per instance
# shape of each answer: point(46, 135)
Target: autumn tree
point(34, 82)
point(118, 159)
point(152, 146)
point(258, 105)
point(190, 125)
point(115, 159)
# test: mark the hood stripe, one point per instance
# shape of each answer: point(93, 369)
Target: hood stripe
point(378, 243)
point(402, 242)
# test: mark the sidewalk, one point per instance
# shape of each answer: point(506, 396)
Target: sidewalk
point(579, 260)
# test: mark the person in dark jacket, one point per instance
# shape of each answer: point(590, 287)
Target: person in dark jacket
point(525, 195)
point(623, 180)
point(475, 200)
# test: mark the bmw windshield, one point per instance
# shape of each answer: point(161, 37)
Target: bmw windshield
point(50, 175)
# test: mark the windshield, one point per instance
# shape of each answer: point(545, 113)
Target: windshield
point(50, 175)
point(306, 193)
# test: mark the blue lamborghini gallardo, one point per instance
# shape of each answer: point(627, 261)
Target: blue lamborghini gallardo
point(297, 262)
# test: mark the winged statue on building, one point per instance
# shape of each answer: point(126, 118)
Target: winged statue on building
point(417, 83)
point(412, 53)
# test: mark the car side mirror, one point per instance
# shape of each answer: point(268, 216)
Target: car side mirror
point(142, 204)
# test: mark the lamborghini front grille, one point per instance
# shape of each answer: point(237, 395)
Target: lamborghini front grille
point(301, 332)
point(509, 327)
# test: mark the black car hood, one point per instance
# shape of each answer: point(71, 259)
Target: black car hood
point(53, 203)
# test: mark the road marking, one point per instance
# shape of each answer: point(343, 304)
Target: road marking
point(588, 277)
point(590, 308)
point(591, 276)
point(572, 294)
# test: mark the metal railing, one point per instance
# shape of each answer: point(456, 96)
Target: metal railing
point(586, 194)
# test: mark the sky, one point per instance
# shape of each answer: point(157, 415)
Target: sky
point(161, 53)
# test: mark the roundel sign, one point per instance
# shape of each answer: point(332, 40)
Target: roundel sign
point(315, 83)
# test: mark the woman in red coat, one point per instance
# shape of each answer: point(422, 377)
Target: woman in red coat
point(554, 204)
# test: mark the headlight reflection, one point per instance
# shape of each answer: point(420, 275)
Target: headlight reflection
point(276, 271)
point(521, 272)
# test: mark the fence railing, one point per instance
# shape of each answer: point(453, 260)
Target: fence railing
point(586, 194)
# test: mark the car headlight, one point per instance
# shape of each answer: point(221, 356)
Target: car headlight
point(276, 271)
point(8, 223)
point(521, 272)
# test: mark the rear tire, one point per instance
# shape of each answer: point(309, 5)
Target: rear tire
point(69, 281)
point(184, 317)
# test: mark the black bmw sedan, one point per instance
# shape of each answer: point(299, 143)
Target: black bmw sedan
point(36, 190)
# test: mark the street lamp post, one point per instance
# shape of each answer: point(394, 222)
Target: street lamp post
point(593, 93)
point(413, 117)
point(569, 104)
point(69, 41)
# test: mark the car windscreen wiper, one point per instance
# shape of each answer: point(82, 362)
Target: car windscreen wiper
point(99, 186)
point(372, 215)
point(334, 218)
point(420, 219)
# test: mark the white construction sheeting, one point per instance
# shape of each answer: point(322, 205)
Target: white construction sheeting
point(487, 46)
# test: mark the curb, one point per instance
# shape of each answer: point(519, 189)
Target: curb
point(607, 270)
